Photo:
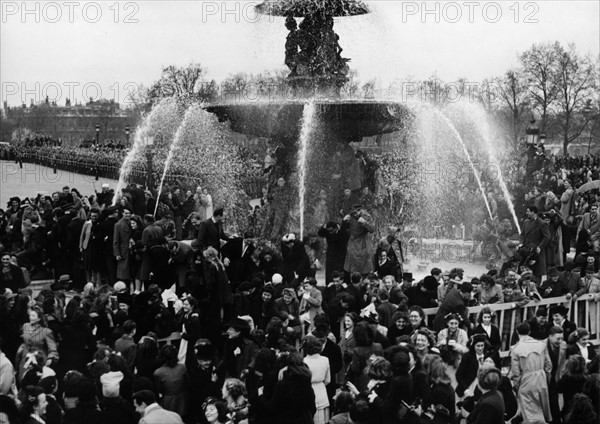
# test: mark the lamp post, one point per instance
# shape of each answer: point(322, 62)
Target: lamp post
point(97, 133)
point(149, 142)
point(532, 133)
point(127, 134)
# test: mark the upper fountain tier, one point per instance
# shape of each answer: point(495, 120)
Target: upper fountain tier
point(346, 120)
point(312, 48)
point(303, 8)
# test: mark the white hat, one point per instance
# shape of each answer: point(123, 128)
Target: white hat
point(277, 279)
point(120, 286)
point(105, 185)
point(289, 237)
point(47, 372)
point(110, 383)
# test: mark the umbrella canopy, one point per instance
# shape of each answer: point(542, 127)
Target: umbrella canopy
point(302, 8)
point(589, 186)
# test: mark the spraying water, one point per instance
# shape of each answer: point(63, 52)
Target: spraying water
point(307, 125)
point(159, 121)
point(480, 119)
point(127, 165)
point(456, 134)
point(174, 145)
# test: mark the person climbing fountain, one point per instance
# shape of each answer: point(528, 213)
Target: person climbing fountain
point(291, 46)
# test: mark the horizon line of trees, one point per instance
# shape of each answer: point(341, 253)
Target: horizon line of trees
point(555, 84)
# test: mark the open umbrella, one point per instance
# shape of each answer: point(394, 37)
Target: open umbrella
point(589, 186)
point(302, 8)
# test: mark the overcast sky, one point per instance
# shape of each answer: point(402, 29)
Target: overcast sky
point(66, 46)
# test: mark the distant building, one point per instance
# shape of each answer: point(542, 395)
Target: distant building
point(71, 123)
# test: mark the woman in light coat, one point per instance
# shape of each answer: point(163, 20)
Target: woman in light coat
point(321, 377)
point(38, 340)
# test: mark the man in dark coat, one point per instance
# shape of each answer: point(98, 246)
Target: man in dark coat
point(539, 325)
point(239, 252)
point(210, 232)
point(107, 233)
point(337, 242)
point(11, 275)
point(557, 350)
point(138, 199)
point(73, 231)
point(534, 239)
point(455, 302)
point(490, 408)
point(151, 236)
point(295, 259)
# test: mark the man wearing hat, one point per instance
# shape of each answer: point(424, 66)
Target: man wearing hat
point(205, 377)
point(424, 293)
point(239, 350)
point(114, 407)
point(528, 286)
point(63, 283)
point(455, 302)
point(559, 314)
point(534, 238)
point(295, 259)
point(358, 257)
point(554, 285)
point(121, 236)
point(107, 233)
point(105, 197)
point(337, 242)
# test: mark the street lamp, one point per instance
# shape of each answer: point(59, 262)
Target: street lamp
point(532, 133)
point(97, 133)
point(148, 141)
point(127, 134)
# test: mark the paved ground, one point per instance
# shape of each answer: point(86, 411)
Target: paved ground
point(34, 179)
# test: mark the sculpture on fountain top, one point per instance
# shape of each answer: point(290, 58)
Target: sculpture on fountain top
point(312, 49)
point(313, 53)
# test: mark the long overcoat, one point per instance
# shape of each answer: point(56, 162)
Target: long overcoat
point(358, 253)
point(536, 234)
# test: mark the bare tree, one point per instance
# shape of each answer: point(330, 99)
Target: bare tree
point(184, 83)
point(539, 65)
point(487, 95)
point(577, 86)
point(512, 90)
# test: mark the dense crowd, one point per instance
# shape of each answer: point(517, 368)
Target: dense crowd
point(166, 317)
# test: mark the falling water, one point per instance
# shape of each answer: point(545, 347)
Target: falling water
point(447, 121)
point(127, 166)
point(174, 145)
point(480, 119)
point(150, 124)
point(307, 125)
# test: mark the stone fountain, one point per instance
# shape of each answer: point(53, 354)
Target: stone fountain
point(312, 186)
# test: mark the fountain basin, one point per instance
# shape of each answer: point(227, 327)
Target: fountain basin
point(350, 120)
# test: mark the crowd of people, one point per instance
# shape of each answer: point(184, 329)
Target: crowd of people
point(176, 320)
point(157, 314)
